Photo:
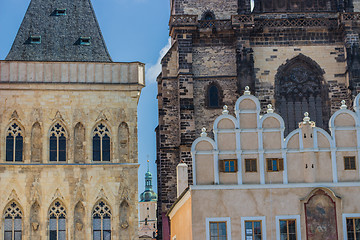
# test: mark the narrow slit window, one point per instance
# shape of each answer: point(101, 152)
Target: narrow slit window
point(86, 41)
point(60, 12)
point(35, 39)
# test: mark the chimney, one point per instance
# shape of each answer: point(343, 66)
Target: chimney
point(182, 177)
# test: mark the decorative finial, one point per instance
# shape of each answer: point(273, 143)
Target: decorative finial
point(148, 163)
point(247, 91)
point(203, 132)
point(270, 109)
point(225, 110)
point(306, 118)
point(343, 104)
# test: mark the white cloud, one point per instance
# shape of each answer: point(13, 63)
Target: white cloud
point(153, 71)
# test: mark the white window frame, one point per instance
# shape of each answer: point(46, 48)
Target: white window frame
point(348, 215)
point(288, 217)
point(221, 219)
point(263, 226)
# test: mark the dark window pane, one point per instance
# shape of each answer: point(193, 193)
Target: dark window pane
point(8, 224)
point(53, 143)
point(62, 224)
point(283, 227)
point(52, 224)
point(107, 235)
point(53, 235)
point(274, 165)
point(97, 235)
point(17, 224)
point(62, 148)
point(9, 148)
point(96, 223)
point(96, 148)
point(292, 228)
point(213, 96)
point(18, 235)
point(106, 224)
point(8, 236)
point(106, 148)
point(62, 235)
point(19, 148)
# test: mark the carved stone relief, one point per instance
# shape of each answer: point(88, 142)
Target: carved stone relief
point(79, 217)
point(79, 138)
point(36, 143)
point(123, 142)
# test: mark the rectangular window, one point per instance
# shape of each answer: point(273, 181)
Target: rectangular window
point(349, 163)
point(288, 229)
point(275, 164)
point(250, 165)
point(253, 230)
point(228, 165)
point(218, 231)
point(353, 228)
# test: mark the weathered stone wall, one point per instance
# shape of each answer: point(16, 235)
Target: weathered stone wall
point(79, 182)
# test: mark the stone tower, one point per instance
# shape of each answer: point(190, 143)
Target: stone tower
point(147, 210)
point(68, 128)
point(299, 56)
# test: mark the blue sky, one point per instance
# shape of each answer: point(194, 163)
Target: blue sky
point(134, 30)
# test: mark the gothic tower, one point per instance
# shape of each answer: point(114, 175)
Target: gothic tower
point(68, 127)
point(299, 56)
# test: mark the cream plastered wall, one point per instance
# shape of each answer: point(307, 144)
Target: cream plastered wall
point(238, 203)
point(147, 210)
point(181, 223)
point(310, 154)
point(269, 59)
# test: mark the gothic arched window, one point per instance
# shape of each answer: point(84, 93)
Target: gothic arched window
point(300, 88)
point(14, 143)
point(213, 96)
point(101, 143)
point(57, 221)
point(58, 138)
point(101, 221)
point(13, 222)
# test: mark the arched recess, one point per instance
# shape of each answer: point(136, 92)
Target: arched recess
point(35, 220)
point(213, 96)
point(36, 143)
point(123, 142)
point(124, 218)
point(79, 218)
point(300, 87)
point(79, 139)
point(320, 214)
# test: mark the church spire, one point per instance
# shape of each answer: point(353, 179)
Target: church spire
point(148, 195)
point(59, 30)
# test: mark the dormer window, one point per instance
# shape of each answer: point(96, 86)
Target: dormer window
point(35, 39)
point(85, 41)
point(60, 12)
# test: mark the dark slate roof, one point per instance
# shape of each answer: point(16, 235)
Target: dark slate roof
point(60, 34)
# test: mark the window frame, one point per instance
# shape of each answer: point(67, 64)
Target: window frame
point(227, 220)
point(66, 135)
point(57, 218)
point(101, 141)
point(261, 219)
point(222, 167)
point(250, 160)
point(349, 157)
point(279, 164)
point(14, 149)
point(13, 217)
point(288, 217)
point(101, 220)
point(346, 216)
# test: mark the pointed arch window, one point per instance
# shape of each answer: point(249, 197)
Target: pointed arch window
point(13, 222)
point(58, 138)
point(101, 221)
point(14, 143)
point(101, 143)
point(213, 96)
point(57, 221)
